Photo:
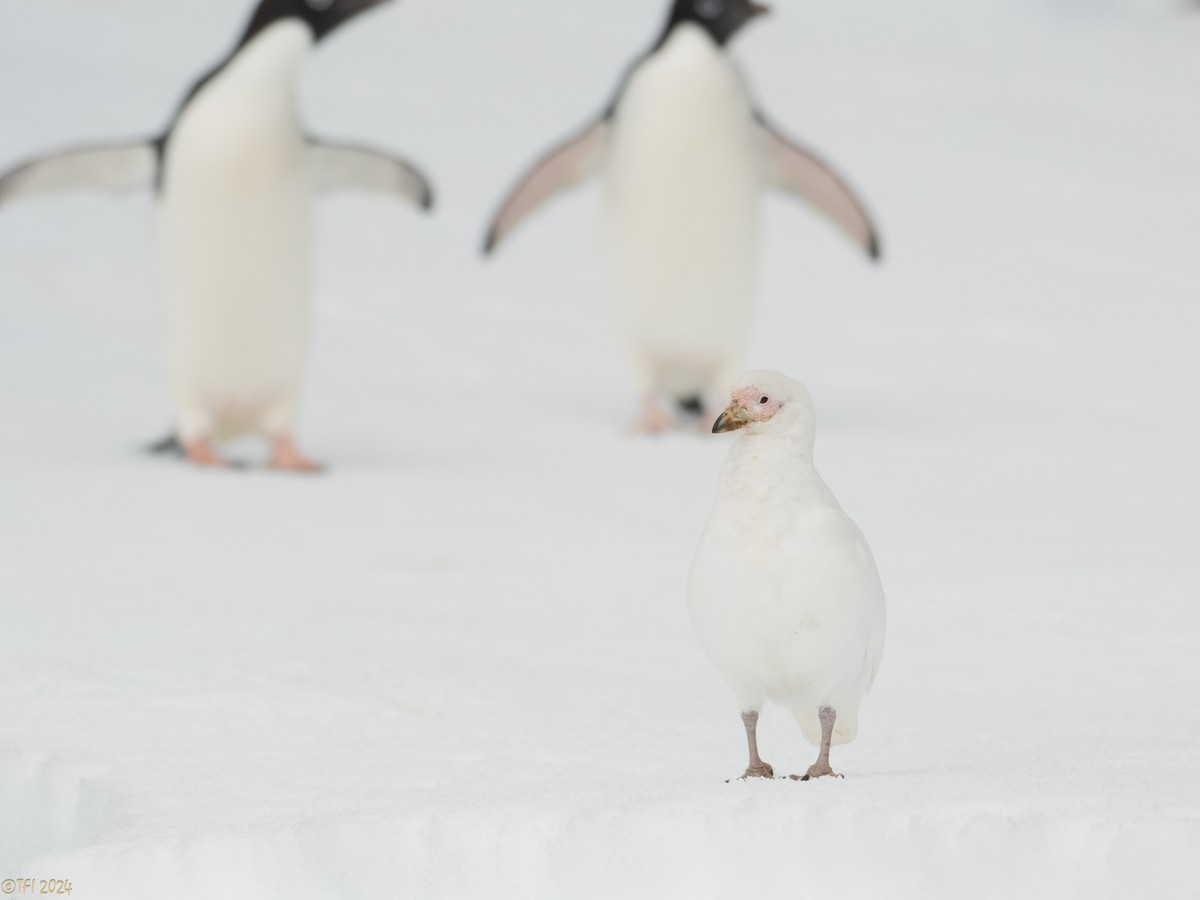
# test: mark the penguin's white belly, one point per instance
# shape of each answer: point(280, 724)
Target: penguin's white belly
point(235, 245)
point(801, 624)
point(682, 214)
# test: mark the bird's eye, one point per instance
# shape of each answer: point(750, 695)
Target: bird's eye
point(710, 9)
point(319, 5)
point(762, 400)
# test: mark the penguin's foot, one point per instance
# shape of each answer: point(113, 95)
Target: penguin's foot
point(816, 770)
point(704, 424)
point(653, 419)
point(762, 770)
point(202, 453)
point(287, 458)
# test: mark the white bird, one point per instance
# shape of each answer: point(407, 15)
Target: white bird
point(686, 155)
point(783, 592)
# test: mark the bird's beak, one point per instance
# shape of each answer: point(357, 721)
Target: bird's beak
point(757, 9)
point(732, 419)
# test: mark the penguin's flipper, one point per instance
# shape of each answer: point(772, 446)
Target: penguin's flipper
point(349, 167)
point(565, 166)
point(796, 171)
point(113, 167)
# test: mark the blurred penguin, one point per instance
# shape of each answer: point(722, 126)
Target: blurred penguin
point(685, 154)
point(235, 177)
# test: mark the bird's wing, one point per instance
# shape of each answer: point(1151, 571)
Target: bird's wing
point(796, 171)
point(113, 167)
point(565, 166)
point(346, 167)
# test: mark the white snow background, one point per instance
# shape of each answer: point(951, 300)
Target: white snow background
point(460, 665)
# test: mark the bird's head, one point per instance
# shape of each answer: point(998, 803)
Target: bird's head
point(720, 18)
point(321, 16)
point(762, 402)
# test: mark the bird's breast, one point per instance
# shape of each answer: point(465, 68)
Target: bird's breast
point(683, 123)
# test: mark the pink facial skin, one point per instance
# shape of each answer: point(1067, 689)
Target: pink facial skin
point(749, 400)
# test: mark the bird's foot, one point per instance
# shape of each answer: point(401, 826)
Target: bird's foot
point(817, 770)
point(763, 770)
point(285, 457)
point(202, 453)
point(704, 424)
point(653, 419)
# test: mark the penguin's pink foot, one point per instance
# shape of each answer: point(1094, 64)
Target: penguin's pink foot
point(704, 424)
point(287, 458)
point(653, 419)
point(201, 453)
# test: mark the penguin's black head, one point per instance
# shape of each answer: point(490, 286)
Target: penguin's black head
point(321, 16)
point(720, 18)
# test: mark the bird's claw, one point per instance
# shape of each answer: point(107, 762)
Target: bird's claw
point(201, 453)
point(763, 771)
point(816, 771)
point(285, 457)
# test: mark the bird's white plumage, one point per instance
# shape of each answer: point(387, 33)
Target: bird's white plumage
point(783, 591)
point(682, 199)
point(235, 242)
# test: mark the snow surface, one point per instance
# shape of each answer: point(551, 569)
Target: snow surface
point(460, 664)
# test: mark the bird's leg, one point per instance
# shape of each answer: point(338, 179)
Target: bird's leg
point(653, 419)
point(201, 452)
point(286, 457)
point(757, 768)
point(821, 767)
